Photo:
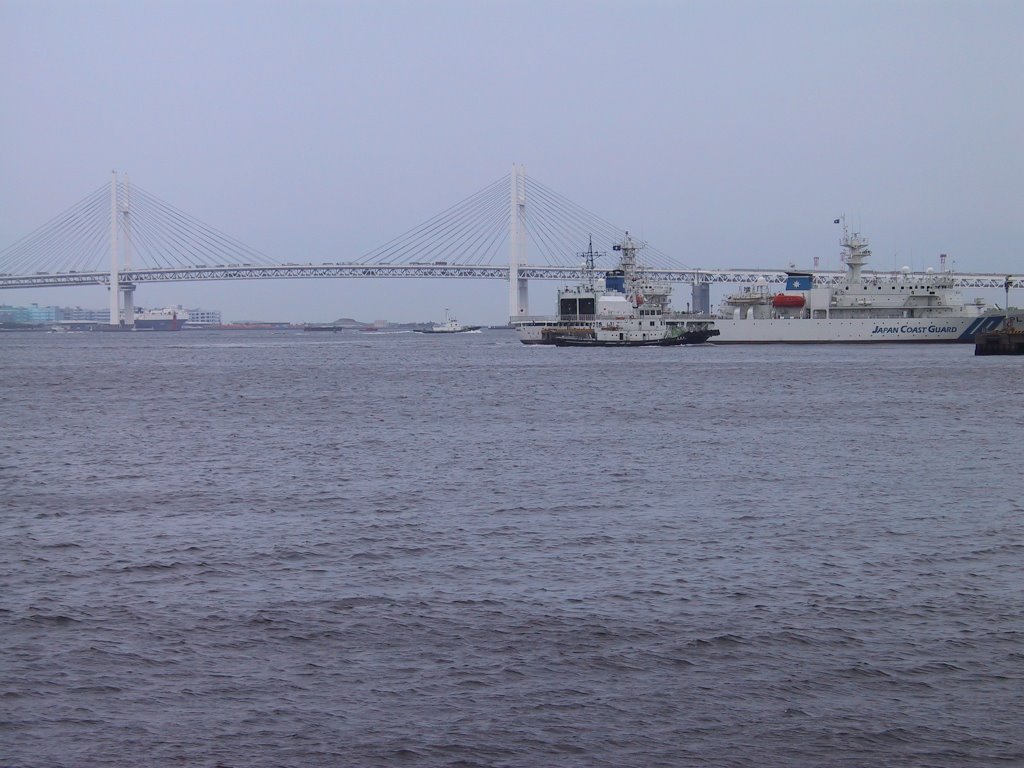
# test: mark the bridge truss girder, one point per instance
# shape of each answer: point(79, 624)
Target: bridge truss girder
point(445, 271)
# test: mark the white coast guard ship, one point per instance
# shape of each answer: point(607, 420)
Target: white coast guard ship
point(864, 307)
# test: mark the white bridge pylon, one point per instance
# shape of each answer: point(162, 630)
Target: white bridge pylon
point(121, 236)
point(518, 295)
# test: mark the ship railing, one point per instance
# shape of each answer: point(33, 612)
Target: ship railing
point(579, 318)
point(557, 319)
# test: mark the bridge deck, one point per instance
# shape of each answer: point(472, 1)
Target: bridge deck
point(458, 271)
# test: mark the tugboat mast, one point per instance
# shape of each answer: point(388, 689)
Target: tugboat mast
point(588, 263)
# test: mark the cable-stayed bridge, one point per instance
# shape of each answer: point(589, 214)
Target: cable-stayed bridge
point(514, 229)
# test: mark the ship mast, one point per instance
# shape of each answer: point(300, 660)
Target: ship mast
point(588, 264)
point(855, 252)
point(627, 261)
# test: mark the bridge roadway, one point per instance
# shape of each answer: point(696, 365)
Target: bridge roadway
point(439, 270)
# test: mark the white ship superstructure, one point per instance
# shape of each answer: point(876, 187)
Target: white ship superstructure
point(864, 307)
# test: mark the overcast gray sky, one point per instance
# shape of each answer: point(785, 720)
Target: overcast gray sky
point(727, 133)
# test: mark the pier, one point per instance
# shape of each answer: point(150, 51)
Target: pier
point(1008, 340)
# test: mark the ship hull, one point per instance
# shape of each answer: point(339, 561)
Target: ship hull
point(582, 336)
point(464, 329)
point(168, 324)
point(948, 330)
point(690, 337)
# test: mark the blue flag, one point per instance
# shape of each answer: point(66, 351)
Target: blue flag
point(798, 283)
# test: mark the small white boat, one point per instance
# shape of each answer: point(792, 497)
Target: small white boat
point(450, 325)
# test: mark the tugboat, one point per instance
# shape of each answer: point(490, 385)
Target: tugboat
point(627, 310)
point(450, 325)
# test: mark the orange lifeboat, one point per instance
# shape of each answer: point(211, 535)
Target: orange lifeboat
point(787, 300)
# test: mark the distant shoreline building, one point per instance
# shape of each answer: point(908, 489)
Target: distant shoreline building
point(33, 315)
point(36, 315)
point(203, 317)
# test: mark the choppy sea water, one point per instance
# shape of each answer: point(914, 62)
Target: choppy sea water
point(279, 549)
